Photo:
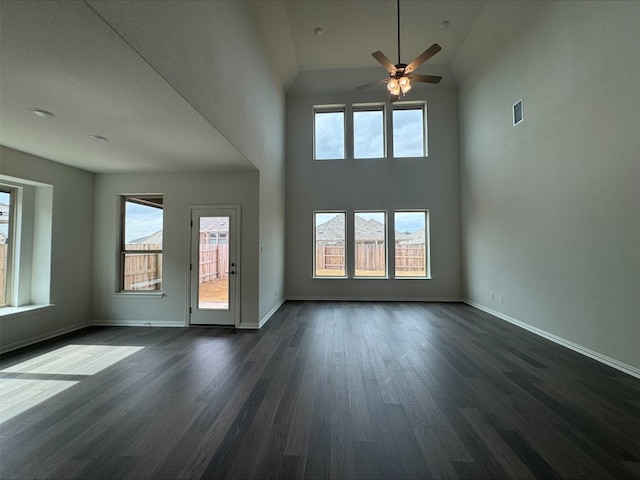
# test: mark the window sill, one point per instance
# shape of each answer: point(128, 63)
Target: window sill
point(138, 294)
point(14, 311)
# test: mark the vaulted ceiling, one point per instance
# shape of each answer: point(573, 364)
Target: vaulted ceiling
point(80, 61)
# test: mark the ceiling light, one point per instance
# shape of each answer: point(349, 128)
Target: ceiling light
point(98, 138)
point(405, 85)
point(318, 31)
point(393, 87)
point(42, 113)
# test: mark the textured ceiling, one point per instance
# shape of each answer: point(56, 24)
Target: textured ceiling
point(64, 57)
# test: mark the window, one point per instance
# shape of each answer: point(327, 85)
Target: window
point(26, 221)
point(329, 235)
point(370, 235)
point(409, 131)
point(411, 244)
point(141, 252)
point(368, 132)
point(6, 243)
point(369, 129)
point(369, 246)
point(328, 133)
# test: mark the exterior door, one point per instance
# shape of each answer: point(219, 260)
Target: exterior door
point(214, 273)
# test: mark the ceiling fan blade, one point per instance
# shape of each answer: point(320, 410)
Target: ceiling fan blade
point(372, 84)
point(423, 57)
point(425, 78)
point(384, 61)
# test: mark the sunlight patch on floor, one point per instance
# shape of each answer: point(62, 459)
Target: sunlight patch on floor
point(74, 360)
point(22, 386)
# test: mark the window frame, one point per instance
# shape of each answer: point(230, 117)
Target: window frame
point(324, 109)
point(141, 199)
point(427, 246)
point(370, 107)
point(31, 264)
point(9, 273)
point(414, 105)
point(345, 241)
point(385, 249)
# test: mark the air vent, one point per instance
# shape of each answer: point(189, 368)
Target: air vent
point(518, 114)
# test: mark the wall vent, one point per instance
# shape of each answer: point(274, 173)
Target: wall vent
point(518, 114)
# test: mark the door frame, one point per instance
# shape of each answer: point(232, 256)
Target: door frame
point(238, 267)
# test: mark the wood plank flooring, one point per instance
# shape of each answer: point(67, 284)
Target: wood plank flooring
point(324, 390)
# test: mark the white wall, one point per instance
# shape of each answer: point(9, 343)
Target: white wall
point(71, 248)
point(388, 184)
point(180, 190)
point(551, 207)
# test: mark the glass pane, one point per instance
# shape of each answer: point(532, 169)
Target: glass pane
point(329, 237)
point(408, 132)
point(213, 268)
point(411, 244)
point(368, 134)
point(329, 135)
point(5, 211)
point(143, 225)
point(370, 234)
point(143, 234)
point(142, 271)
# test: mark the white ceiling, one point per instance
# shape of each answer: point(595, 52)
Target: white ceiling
point(63, 57)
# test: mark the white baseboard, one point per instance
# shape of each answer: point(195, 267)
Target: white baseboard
point(380, 299)
point(41, 338)
point(249, 326)
point(611, 362)
point(268, 316)
point(134, 323)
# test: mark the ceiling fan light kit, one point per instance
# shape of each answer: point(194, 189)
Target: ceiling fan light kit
point(400, 75)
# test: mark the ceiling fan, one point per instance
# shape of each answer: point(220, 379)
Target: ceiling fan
point(400, 75)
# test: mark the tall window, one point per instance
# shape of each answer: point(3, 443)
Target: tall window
point(368, 132)
point(6, 227)
point(370, 235)
point(141, 252)
point(411, 244)
point(328, 133)
point(329, 238)
point(409, 131)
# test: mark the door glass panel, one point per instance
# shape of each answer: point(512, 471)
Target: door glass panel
point(213, 268)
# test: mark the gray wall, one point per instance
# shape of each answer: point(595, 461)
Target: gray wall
point(551, 216)
point(180, 191)
point(72, 210)
point(235, 89)
point(387, 184)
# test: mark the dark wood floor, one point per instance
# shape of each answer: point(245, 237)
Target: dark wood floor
point(325, 389)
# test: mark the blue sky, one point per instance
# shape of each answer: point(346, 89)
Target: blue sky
point(4, 198)
point(368, 134)
point(142, 221)
point(330, 129)
point(368, 127)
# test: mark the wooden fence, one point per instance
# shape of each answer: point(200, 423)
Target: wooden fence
point(408, 258)
point(330, 257)
point(143, 271)
point(214, 262)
